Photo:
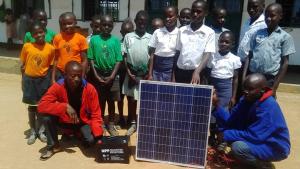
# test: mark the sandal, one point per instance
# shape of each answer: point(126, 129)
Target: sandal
point(45, 156)
point(49, 153)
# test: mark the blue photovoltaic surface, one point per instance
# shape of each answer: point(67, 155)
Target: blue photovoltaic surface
point(173, 123)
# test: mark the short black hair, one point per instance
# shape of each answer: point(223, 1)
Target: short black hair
point(217, 9)
point(36, 23)
point(96, 17)
point(127, 21)
point(231, 35)
point(65, 14)
point(106, 16)
point(185, 9)
point(173, 7)
point(277, 6)
point(72, 64)
point(37, 12)
point(202, 2)
point(142, 13)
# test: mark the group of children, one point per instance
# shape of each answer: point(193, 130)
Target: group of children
point(193, 53)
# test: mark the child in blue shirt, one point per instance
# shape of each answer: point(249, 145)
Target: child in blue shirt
point(270, 49)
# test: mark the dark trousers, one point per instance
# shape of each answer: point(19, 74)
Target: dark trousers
point(52, 124)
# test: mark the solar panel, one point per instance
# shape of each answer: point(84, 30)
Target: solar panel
point(173, 123)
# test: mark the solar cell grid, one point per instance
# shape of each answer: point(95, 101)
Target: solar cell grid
point(173, 123)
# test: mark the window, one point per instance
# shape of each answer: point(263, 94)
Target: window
point(27, 6)
point(291, 13)
point(116, 8)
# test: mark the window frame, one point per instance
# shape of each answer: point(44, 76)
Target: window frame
point(83, 17)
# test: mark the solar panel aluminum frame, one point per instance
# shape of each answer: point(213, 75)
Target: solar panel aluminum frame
point(179, 85)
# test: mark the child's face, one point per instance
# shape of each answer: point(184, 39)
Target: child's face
point(42, 17)
point(38, 33)
point(170, 17)
point(219, 18)
point(141, 23)
point(185, 17)
point(198, 12)
point(255, 8)
point(127, 28)
point(225, 43)
point(107, 26)
point(272, 17)
point(96, 26)
point(68, 24)
point(157, 23)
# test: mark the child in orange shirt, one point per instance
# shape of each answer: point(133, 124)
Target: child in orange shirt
point(69, 46)
point(36, 59)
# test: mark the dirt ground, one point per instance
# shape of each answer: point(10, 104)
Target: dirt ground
point(16, 154)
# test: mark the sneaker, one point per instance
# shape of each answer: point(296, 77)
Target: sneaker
point(131, 130)
point(31, 138)
point(43, 137)
point(112, 129)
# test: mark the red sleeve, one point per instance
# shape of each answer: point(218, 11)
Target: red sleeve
point(53, 102)
point(96, 118)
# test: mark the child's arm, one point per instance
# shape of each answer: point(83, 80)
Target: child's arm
point(281, 73)
point(246, 65)
point(196, 75)
point(235, 82)
point(54, 67)
point(131, 76)
point(95, 72)
point(112, 76)
point(175, 65)
point(151, 54)
point(84, 62)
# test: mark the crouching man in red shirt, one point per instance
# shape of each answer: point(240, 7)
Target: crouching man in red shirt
point(71, 103)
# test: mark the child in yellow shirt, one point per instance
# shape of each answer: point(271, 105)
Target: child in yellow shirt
point(36, 60)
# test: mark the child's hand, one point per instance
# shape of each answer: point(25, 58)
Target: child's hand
point(195, 78)
point(132, 77)
point(215, 99)
point(99, 79)
point(149, 76)
point(108, 80)
point(232, 102)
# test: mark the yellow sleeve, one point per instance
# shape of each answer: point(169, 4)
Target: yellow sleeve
point(24, 53)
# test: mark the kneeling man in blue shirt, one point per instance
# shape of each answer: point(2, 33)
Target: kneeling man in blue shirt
point(255, 127)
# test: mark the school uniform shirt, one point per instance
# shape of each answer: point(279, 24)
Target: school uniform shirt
point(269, 50)
point(247, 31)
point(55, 101)
point(105, 52)
point(136, 48)
point(222, 67)
point(49, 36)
point(164, 42)
point(37, 59)
point(192, 45)
point(69, 48)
